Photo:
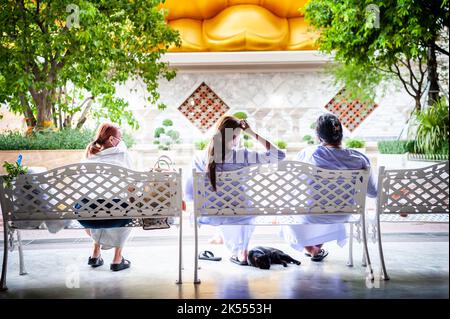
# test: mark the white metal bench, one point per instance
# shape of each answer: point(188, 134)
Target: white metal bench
point(286, 188)
point(421, 192)
point(89, 191)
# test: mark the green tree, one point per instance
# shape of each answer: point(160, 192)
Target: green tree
point(378, 39)
point(61, 58)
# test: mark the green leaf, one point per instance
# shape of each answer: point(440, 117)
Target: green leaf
point(115, 41)
point(12, 170)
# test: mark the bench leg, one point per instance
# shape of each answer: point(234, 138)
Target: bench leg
point(22, 270)
point(384, 274)
point(363, 260)
point(350, 247)
point(366, 250)
point(196, 280)
point(3, 286)
point(180, 251)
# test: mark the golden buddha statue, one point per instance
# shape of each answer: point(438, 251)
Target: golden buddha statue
point(240, 25)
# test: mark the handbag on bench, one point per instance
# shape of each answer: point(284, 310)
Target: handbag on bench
point(163, 164)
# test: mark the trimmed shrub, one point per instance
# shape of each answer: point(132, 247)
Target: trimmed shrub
point(395, 147)
point(67, 139)
point(167, 122)
point(240, 115)
point(159, 131)
point(308, 138)
point(354, 143)
point(281, 144)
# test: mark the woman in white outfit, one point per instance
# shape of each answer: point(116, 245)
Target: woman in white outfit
point(108, 147)
point(314, 231)
point(224, 155)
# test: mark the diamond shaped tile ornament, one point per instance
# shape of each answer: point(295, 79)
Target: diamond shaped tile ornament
point(203, 107)
point(350, 112)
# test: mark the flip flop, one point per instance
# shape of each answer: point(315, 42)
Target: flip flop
point(320, 256)
point(95, 262)
point(208, 255)
point(236, 260)
point(124, 264)
point(308, 255)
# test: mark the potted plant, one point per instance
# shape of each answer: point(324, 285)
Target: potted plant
point(430, 141)
point(12, 171)
point(356, 144)
point(166, 137)
point(432, 137)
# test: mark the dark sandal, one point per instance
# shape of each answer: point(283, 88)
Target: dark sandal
point(95, 262)
point(208, 255)
point(124, 264)
point(235, 259)
point(308, 255)
point(320, 256)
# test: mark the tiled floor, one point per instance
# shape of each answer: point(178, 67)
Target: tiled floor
point(418, 263)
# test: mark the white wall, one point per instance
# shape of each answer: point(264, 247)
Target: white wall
point(281, 104)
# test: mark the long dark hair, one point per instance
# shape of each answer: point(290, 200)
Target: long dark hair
point(101, 139)
point(329, 129)
point(220, 140)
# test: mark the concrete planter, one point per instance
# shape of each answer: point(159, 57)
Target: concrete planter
point(392, 161)
point(42, 158)
point(142, 159)
point(427, 157)
point(400, 161)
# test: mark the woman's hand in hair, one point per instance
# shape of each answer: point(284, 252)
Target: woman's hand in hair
point(244, 125)
point(247, 129)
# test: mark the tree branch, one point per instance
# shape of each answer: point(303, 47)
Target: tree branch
point(420, 64)
point(60, 92)
point(411, 71)
point(402, 80)
point(54, 67)
point(86, 110)
point(441, 50)
point(34, 94)
point(382, 70)
point(422, 75)
point(36, 18)
point(27, 111)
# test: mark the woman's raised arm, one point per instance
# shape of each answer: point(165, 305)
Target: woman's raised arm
point(272, 151)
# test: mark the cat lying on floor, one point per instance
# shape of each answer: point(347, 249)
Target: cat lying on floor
point(263, 257)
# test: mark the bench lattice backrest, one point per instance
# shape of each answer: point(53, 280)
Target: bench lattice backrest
point(287, 188)
point(420, 190)
point(92, 191)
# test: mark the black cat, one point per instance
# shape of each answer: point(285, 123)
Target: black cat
point(263, 257)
